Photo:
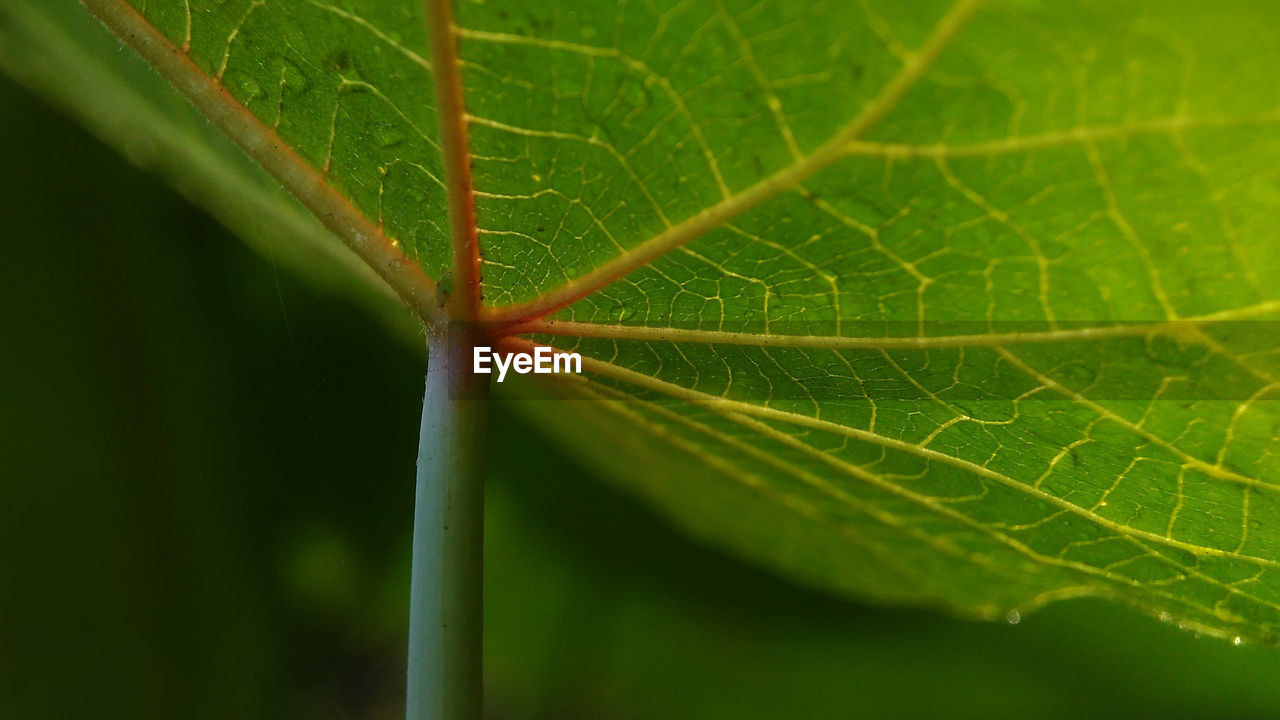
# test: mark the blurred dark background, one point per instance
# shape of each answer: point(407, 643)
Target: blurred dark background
point(206, 474)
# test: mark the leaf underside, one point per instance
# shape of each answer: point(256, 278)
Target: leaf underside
point(968, 306)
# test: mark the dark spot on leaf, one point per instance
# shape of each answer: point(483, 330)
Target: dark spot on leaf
point(339, 60)
point(635, 95)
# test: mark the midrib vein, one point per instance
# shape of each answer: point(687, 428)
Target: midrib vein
point(405, 277)
point(719, 404)
point(464, 298)
point(716, 215)
point(1177, 328)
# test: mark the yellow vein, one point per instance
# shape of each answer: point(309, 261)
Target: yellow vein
point(761, 80)
point(305, 182)
point(715, 403)
point(1002, 217)
point(1127, 534)
point(954, 515)
point(890, 560)
point(591, 140)
point(1185, 327)
point(1103, 179)
point(789, 177)
point(758, 484)
point(959, 517)
point(1217, 347)
point(413, 57)
point(742, 413)
point(869, 508)
point(593, 51)
point(1073, 136)
point(814, 481)
point(1191, 460)
point(231, 38)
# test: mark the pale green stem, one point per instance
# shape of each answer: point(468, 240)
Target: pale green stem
point(446, 601)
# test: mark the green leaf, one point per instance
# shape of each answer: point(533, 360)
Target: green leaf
point(56, 48)
point(960, 305)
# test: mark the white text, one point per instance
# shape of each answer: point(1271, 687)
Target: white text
point(543, 361)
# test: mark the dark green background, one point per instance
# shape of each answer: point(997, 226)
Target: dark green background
point(206, 472)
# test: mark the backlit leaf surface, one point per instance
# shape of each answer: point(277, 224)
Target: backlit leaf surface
point(968, 305)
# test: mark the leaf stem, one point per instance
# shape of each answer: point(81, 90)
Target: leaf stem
point(446, 596)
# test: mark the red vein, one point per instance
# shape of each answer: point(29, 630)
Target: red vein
point(718, 214)
point(405, 277)
point(464, 299)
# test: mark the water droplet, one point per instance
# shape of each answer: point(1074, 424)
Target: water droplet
point(387, 135)
point(1013, 617)
point(618, 313)
point(633, 94)
point(1237, 641)
point(294, 79)
point(339, 60)
point(249, 89)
